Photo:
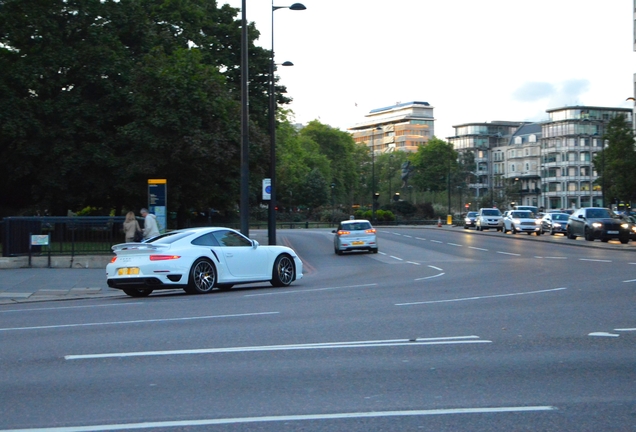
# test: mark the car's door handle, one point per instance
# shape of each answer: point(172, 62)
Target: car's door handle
point(229, 255)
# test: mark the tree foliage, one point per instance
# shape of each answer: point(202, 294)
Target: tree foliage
point(433, 164)
point(99, 96)
point(615, 163)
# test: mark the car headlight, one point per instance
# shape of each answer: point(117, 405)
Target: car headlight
point(537, 222)
point(597, 225)
point(557, 225)
point(625, 226)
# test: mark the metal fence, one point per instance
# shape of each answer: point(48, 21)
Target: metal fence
point(66, 235)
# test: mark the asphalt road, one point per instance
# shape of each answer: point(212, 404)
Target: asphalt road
point(441, 331)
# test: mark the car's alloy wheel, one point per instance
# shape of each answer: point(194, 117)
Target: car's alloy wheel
point(202, 277)
point(588, 234)
point(284, 272)
point(137, 292)
point(568, 233)
point(552, 231)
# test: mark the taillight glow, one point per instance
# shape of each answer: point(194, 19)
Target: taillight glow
point(370, 231)
point(113, 259)
point(343, 232)
point(163, 257)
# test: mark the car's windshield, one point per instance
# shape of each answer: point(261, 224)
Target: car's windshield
point(598, 214)
point(560, 217)
point(522, 214)
point(490, 212)
point(471, 214)
point(356, 226)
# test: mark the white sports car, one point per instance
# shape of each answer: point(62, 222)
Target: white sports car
point(198, 260)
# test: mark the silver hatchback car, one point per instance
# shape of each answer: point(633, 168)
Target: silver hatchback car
point(355, 234)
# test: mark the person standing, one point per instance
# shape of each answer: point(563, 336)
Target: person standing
point(151, 229)
point(131, 226)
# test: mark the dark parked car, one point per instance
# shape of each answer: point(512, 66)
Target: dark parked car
point(555, 223)
point(469, 220)
point(597, 223)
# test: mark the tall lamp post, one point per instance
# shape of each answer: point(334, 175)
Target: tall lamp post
point(244, 208)
point(271, 225)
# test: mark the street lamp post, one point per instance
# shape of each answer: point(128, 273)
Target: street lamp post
point(244, 208)
point(271, 225)
point(333, 203)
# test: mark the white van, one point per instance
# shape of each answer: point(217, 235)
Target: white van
point(489, 218)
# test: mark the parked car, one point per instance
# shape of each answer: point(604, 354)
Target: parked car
point(355, 235)
point(521, 221)
point(533, 209)
point(554, 223)
point(489, 218)
point(199, 260)
point(597, 223)
point(470, 219)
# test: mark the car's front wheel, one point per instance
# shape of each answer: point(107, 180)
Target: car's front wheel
point(202, 277)
point(624, 239)
point(568, 233)
point(284, 271)
point(137, 292)
point(588, 234)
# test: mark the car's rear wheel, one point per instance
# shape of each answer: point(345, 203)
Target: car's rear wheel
point(284, 271)
point(137, 292)
point(588, 234)
point(202, 277)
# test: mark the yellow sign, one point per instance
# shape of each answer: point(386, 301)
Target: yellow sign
point(157, 181)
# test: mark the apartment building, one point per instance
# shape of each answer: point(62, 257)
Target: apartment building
point(401, 127)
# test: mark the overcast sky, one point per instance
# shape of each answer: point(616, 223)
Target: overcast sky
point(473, 61)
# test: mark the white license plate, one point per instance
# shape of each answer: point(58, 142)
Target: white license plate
point(128, 271)
point(612, 232)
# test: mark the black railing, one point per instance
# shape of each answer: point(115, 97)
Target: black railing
point(66, 235)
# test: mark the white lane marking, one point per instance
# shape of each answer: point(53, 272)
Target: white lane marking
point(603, 334)
point(286, 418)
point(436, 241)
point(480, 297)
point(436, 268)
point(594, 260)
point(631, 280)
point(408, 236)
point(137, 321)
point(292, 347)
point(420, 238)
point(476, 248)
point(71, 307)
point(430, 277)
point(394, 257)
point(632, 263)
point(454, 244)
point(382, 253)
point(508, 253)
point(625, 329)
point(309, 290)
point(411, 262)
point(555, 257)
point(398, 234)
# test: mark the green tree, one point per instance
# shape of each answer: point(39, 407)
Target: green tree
point(615, 163)
point(433, 164)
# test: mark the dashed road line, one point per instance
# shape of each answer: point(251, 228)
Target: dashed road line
point(508, 253)
point(479, 297)
point(436, 241)
point(397, 258)
point(594, 260)
point(455, 244)
point(476, 248)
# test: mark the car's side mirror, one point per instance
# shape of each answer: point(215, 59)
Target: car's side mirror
point(581, 217)
point(333, 231)
point(255, 244)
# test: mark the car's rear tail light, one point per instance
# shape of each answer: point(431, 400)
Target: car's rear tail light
point(163, 257)
point(342, 232)
point(113, 259)
point(371, 231)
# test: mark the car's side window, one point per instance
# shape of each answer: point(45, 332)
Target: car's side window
point(231, 239)
point(206, 240)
